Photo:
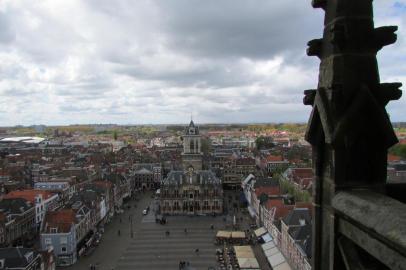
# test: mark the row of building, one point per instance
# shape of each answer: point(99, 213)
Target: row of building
point(287, 221)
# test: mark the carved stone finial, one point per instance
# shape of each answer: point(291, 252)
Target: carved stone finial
point(314, 48)
point(319, 3)
point(384, 36)
point(389, 91)
point(309, 97)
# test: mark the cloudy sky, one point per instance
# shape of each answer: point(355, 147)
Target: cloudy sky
point(158, 61)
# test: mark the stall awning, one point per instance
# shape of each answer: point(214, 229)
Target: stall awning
point(244, 252)
point(238, 234)
point(248, 263)
point(223, 234)
point(268, 245)
point(259, 232)
point(282, 266)
point(276, 259)
point(271, 252)
point(267, 238)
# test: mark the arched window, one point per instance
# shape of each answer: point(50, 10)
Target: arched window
point(192, 146)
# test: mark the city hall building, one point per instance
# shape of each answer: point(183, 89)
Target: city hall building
point(191, 191)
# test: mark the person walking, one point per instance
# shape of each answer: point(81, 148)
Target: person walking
point(185, 231)
point(119, 232)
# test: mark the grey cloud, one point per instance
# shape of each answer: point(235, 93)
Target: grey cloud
point(152, 61)
point(6, 33)
point(253, 29)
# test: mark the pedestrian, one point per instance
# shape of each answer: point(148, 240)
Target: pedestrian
point(120, 220)
point(185, 231)
point(91, 266)
point(197, 251)
point(212, 226)
point(119, 232)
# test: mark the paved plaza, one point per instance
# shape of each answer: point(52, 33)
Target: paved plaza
point(150, 248)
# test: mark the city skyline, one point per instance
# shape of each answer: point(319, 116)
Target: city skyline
point(151, 62)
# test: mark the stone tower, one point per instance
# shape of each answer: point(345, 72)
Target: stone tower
point(192, 155)
point(350, 132)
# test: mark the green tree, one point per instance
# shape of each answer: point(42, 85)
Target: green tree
point(115, 135)
point(264, 142)
point(398, 150)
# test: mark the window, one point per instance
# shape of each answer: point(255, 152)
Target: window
point(48, 241)
point(63, 249)
point(191, 195)
point(176, 205)
point(206, 205)
point(184, 206)
point(54, 230)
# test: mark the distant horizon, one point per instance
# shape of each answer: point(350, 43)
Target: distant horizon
point(163, 124)
point(172, 124)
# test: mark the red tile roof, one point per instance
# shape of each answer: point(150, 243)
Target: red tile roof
point(282, 211)
point(393, 158)
point(268, 190)
point(61, 219)
point(274, 203)
point(28, 194)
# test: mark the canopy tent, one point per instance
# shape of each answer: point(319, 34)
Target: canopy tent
point(282, 266)
point(246, 257)
point(244, 252)
point(276, 259)
point(268, 245)
point(267, 238)
point(271, 252)
point(223, 234)
point(248, 263)
point(259, 232)
point(237, 234)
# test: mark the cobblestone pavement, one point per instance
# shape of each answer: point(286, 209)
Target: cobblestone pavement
point(150, 248)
